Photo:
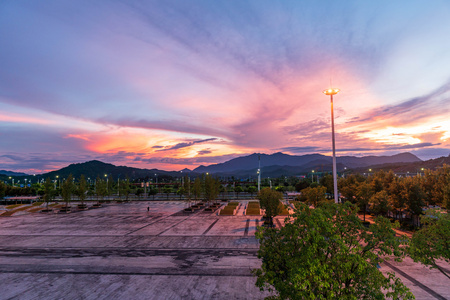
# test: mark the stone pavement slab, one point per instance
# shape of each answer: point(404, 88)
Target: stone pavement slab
point(121, 251)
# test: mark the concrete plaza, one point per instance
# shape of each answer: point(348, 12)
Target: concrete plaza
point(121, 251)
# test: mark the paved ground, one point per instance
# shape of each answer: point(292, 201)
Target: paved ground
point(121, 251)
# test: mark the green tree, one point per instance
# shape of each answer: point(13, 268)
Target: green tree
point(82, 189)
point(349, 185)
point(363, 195)
point(238, 190)
point(432, 241)
point(211, 188)
point(252, 189)
point(167, 190)
point(125, 188)
point(314, 195)
point(48, 191)
point(327, 181)
point(67, 189)
point(379, 203)
point(397, 201)
point(100, 188)
point(326, 253)
point(153, 192)
point(2, 189)
point(197, 188)
point(302, 184)
point(187, 189)
point(414, 197)
point(270, 201)
point(139, 192)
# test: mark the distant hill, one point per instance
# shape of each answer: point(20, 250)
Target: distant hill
point(411, 167)
point(94, 168)
point(278, 164)
point(11, 173)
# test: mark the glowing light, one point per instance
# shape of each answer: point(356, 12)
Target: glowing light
point(331, 91)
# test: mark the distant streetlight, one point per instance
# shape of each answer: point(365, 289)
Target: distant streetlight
point(312, 176)
point(332, 92)
point(106, 175)
point(156, 178)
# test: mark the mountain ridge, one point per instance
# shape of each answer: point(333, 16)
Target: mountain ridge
point(272, 165)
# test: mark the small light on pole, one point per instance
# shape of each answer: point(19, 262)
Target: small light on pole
point(332, 92)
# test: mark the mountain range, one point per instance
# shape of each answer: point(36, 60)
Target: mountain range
point(279, 164)
point(273, 165)
point(11, 173)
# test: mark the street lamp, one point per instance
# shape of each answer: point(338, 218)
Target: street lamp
point(332, 92)
point(259, 172)
point(106, 183)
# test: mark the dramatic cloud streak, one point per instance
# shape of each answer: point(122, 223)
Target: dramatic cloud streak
point(174, 84)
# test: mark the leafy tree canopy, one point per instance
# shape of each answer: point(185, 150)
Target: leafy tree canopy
point(432, 241)
point(326, 253)
point(270, 201)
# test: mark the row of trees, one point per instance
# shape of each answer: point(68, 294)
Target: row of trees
point(80, 188)
point(384, 193)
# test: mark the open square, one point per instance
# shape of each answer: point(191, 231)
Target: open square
point(121, 251)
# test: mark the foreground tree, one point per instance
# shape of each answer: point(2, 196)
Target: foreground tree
point(100, 189)
point(326, 253)
point(67, 190)
point(197, 188)
point(432, 241)
point(186, 188)
point(82, 190)
point(211, 188)
point(270, 201)
point(48, 192)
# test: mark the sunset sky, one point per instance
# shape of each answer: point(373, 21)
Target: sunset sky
point(175, 84)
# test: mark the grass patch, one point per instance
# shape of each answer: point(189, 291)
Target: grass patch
point(36, 209)
point(229, 209)
point(253, 209)
point(227, 212)
point(12, 206)
point(11, 212)
point(37, 203)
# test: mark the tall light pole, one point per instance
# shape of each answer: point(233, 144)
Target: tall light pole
point(259, 172)
point(332, 92)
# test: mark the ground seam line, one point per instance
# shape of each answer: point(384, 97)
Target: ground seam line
point(415, 281)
